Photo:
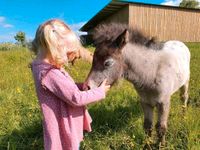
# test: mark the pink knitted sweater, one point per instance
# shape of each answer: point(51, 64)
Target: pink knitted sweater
point(63, 106)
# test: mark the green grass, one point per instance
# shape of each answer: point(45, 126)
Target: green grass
point(117, 120)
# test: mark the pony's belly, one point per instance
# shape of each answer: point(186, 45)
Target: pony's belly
point(180, 81)
point(149, 97)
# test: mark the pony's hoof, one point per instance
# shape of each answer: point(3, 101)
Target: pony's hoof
point(161, 145)
point(148, 143)
point(184, 106)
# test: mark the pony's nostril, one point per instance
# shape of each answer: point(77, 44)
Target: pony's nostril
point(86, 87)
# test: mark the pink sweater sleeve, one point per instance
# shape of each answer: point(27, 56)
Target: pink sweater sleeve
point(66, 89)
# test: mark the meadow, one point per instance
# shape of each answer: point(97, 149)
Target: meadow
point(117, 120)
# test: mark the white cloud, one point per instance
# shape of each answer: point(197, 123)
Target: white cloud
point(7, 25)
point(4, 24)
point(174, 2)
point(171, 2)
point(76, 27)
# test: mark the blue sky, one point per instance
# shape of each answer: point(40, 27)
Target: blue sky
point(26, 15)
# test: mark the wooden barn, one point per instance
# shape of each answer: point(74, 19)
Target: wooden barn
point(163, 22)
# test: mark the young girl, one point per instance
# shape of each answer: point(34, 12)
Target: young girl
point(61, 100)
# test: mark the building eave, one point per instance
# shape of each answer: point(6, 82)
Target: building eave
point(108, 10)
point(115, 6)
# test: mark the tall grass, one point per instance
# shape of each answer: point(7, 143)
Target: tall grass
point(117, 120)
point(9, 46)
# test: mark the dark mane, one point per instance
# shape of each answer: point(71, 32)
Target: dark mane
point(109, 32)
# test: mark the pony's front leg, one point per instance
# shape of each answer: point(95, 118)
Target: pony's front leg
point(161, 126)
point(148, 117)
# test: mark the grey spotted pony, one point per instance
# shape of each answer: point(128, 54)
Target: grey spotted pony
point(156, 70)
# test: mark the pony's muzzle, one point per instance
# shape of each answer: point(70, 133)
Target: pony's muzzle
point(85, 86)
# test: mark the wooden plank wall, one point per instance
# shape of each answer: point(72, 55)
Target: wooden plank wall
point(120, 16)
point(166, 23)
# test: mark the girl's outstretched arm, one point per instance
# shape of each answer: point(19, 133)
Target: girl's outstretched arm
point(65, 88)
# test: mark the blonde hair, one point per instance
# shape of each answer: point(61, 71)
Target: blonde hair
point(49, 40)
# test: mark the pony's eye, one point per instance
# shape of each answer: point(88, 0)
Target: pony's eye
point(109, 62)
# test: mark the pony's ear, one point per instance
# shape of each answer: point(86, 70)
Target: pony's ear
point(122, 39)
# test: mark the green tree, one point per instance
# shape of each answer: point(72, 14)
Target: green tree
point(21, 38)
point(189, 4)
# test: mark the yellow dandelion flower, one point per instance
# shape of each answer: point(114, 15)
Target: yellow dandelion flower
point(18, 90)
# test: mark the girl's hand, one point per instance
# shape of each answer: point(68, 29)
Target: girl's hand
point(105, 87)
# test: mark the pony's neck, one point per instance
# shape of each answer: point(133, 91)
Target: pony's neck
point(141, 65)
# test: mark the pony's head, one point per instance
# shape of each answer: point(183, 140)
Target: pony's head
point(110, 41)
